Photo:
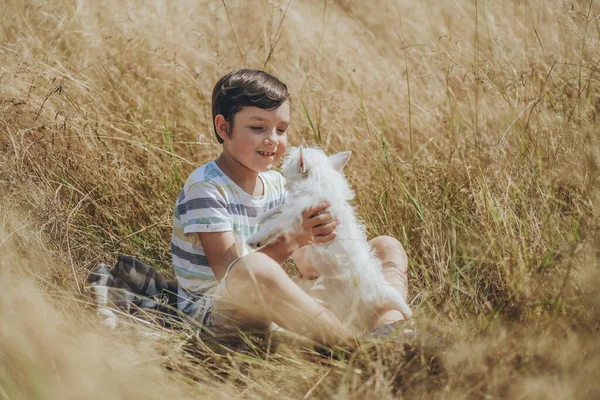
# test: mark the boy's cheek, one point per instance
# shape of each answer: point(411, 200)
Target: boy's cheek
point(281, 150)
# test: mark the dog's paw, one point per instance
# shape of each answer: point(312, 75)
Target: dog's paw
point(257, 241)
point(254, 244)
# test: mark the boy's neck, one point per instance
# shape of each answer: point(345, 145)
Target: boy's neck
point(243, 176)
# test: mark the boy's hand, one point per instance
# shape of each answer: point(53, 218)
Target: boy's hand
point(317, 225)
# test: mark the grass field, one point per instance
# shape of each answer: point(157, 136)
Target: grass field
point(475, 132)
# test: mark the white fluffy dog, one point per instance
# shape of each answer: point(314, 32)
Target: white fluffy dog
point(345, 262)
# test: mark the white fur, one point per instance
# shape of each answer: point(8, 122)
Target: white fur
point(348, 260)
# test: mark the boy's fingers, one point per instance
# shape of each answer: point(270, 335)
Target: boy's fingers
point(326, 228)
point(311, 212)
point(323, 238)
point(321, 219)
point(329, 225)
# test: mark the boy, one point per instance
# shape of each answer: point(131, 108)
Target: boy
point(222, 283)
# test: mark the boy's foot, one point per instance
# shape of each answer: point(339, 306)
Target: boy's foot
point(407, 330)
point(398, 327)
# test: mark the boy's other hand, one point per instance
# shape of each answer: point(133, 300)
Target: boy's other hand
point(317, 225)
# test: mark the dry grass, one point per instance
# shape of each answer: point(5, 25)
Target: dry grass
point(476, 140)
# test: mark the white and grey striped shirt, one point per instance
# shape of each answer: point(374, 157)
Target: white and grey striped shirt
point(211, 202)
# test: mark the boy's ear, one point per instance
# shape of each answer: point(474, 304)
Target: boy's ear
point(339, 160)
point(222, 127)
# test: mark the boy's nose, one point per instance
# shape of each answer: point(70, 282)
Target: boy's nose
point(272, 136)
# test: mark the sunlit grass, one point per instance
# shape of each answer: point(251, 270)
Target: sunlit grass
point(475, 136)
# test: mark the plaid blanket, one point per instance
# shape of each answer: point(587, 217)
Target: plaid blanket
point(131, 286)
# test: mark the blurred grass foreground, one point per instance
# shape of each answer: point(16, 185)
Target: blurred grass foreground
point(475, 132)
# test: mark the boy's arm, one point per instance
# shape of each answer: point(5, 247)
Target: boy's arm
point(317, 227)
point(220, 250)
point(280, 250)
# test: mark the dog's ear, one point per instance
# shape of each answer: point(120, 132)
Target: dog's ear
point(339, 160)
point(301, 163)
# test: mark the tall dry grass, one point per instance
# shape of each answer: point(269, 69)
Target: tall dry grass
point(475, 136)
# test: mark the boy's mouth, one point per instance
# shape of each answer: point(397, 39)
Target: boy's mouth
point(265, 153)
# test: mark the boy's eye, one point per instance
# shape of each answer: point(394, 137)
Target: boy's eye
point(281, 131)
point(256, 128)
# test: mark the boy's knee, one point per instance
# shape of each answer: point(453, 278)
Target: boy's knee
point(242, 299)
point(387, 243)
point(390, 250)
point(249, 285)
point(254, 268)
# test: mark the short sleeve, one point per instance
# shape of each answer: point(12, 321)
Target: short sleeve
point(204, 209)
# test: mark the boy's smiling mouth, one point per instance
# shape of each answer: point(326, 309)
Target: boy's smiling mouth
point(265, 153)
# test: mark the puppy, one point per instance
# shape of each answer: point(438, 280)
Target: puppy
point(347, 262)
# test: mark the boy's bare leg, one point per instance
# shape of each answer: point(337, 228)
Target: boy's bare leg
point(395, 263)
point(259, 291)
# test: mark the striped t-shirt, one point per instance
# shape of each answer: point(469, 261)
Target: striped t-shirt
point(211, 202)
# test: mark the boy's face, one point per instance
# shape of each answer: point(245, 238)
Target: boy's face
point(258, 138)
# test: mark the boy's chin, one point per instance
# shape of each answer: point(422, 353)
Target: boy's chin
point(261, 168)
point(266, 168)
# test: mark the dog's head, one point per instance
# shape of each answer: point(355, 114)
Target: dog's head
point(301, 162)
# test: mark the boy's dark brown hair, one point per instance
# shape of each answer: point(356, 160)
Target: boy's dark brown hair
point(245, 88)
